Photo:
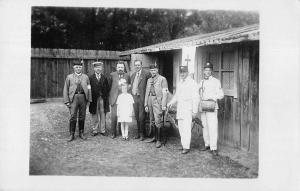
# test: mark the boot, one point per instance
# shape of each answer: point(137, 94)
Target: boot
point(154, 137)
point(72, 128)
point(72, 137)
point(137, 136)
point(164, 136)
point(158, 142)
point(81, 130)
point(142, 137)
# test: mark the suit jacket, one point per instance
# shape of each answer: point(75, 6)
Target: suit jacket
point(99, 88)
point(161, 90)
point(114, 86)
point(70, 88)
point(142, 83)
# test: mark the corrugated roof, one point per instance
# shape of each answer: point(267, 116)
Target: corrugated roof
point(246, 33)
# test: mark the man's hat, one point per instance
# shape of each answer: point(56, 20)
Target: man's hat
point(208, 65)
point(152, 66)
point(183, 69)
point(95, 64)
point(78, 63)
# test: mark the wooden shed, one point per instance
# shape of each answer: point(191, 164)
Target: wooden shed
point(235, 56)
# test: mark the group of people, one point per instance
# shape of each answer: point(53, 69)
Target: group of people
point(133, 95)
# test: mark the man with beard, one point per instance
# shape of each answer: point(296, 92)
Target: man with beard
point(100, 105)
point(115, 91)
point(77, 93)
point(156, 102)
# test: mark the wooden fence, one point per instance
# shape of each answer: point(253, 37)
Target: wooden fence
point(49, 68)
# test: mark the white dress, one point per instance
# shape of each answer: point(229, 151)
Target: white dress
point(125, 107)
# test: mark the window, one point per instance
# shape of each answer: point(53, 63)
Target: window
point(224, 62)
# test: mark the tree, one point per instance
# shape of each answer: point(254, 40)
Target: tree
point(123, 29)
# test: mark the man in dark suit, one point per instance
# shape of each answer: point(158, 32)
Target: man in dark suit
point(139, 81)
point(77, 94)
point(99, 105)
point(115, 91)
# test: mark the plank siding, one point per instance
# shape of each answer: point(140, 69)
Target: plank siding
point(254, 82)
point(50, 67)
point(245, 100)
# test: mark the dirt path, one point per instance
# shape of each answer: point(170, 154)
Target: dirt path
point(50, 154)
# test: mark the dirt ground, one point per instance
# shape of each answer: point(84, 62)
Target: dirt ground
point(51, 154)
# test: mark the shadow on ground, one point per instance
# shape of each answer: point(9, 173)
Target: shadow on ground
point(50, 154)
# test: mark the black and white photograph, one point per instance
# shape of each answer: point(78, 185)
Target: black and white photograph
point(131, 96)
point(144, 92)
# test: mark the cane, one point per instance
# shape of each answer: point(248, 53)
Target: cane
point(163, 127)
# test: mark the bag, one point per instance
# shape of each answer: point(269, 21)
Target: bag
point(206, 105)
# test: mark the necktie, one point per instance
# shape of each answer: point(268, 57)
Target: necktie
point(135, 84)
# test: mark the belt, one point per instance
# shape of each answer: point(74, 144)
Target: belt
point(152, 94)
point(79, 92)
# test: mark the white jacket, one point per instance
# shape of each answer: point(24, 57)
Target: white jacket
point(187, 98)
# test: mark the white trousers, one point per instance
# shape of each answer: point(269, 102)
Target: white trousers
point(210, 129)
point(185, 131)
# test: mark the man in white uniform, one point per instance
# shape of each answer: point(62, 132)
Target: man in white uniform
point(187, 99)
point(211, 88)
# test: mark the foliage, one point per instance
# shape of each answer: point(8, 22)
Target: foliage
point(123, 29)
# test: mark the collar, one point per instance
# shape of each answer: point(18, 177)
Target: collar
point(188, 78)
point(97, 74)
point(121, 73)
point(77, 74)
point(209, 78)
point(155, 77)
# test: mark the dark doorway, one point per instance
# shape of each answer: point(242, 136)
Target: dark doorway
point(166, 67)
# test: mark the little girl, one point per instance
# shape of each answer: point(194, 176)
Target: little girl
point(124, 109)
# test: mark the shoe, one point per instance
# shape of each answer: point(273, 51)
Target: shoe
point(185, 151)
point(158, 144)
point(113, 136)
point(142, 138)
point(94, 134)
point(151, 140)
point(81, 136)
point(126, 138)
point(103, 134)
point(205, 148)
point(214, 152)
point(123, 138)
point(136, 137)
point(72, 137)
point(180, 148)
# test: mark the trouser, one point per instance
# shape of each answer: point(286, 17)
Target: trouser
point(78, 106)
point(114, 120)
point(185, 131)
point(210, 128)
point(98, 119)
point(155, 113)
point(139, 112)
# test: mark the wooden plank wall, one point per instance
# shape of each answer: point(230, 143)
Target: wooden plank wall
point(49, 68)
point(238, 117)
